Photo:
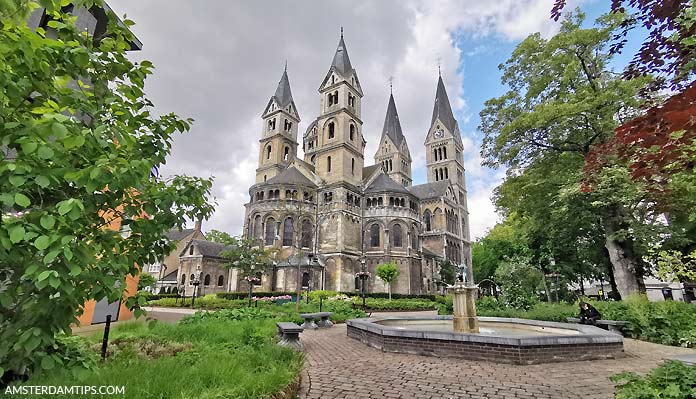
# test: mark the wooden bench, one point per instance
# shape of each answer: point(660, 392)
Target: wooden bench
point(611, 325)
point(289, 334)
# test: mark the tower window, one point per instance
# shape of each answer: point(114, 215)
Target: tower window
point(332, 128)
point(335, 97)
point(446, 173)
point(352, 165)
point(270, 231)
point(329, 97)
point(288, 231)
point(444, 153)
point(286, 153)
point(313, 159)
point(333, 79)
point(434, 154)
point(268, 152)
point(374, 235)
point(352, 132)
point(397, 236)
point(328, 164)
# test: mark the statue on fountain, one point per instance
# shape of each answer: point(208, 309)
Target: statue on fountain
point(464, 302)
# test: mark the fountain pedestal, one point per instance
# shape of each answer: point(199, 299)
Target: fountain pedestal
point(465, 308)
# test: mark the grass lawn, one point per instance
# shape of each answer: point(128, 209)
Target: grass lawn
point(205, 358)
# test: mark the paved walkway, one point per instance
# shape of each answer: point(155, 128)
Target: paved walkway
point(339, 367)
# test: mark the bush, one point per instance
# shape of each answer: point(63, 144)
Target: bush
point(245, 295)
point(229, 315)
point(664, 322)
point(396, 304)
point(430, 297)
point(670, 380)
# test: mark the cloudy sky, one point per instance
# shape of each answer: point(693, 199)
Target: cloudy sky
point(219, 61)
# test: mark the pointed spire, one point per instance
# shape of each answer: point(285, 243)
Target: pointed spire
point(283, 94)
point(341, 61)
point(392, 126)
point(443, 109)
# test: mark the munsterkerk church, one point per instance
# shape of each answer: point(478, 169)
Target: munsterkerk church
point(330, 215)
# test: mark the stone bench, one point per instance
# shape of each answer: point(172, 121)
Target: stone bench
point(289, 334)
point(324, 320)
point(611, 325)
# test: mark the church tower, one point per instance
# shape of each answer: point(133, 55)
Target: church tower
point(445, 161)
point(393, 154)
point(278, 144)
point(334, 143)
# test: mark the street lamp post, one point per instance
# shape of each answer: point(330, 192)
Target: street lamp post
point(363, 275)
point(196, 283)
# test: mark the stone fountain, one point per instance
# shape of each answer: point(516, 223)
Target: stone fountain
point(494, 339)
point(464, 302)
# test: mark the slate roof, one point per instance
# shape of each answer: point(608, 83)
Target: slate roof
point(283, 94)
point(171, 276)
point(443, 110)
point(392, 126)
point(291, 176)
point(207, 248)
point(369, 170)
point(341, 61)
point(384, 183)
point(178, 235)
point(430, 253)
point(430, 190)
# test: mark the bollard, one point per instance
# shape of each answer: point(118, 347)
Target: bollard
point(105, 341)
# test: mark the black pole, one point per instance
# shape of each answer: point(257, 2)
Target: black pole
point(105, 341)
point(250, 288)
point(362, 286)
point(321, 303)
point(193, 296)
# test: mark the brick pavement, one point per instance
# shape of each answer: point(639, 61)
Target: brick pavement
point(339, 367)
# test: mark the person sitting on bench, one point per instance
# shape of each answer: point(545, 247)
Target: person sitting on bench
point(588, 314)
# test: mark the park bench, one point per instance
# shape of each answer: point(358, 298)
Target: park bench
point(324, 319)
point(289, 334)
point(611, 325)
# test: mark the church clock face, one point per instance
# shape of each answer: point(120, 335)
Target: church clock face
point(439, 133)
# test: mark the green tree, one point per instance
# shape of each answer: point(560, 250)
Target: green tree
point(564, 99)
point(79, 142)
point(145, 280)
point(519, 282)
point(388, 273)
point(245, 255)
point(219, 237)
point(448, 272)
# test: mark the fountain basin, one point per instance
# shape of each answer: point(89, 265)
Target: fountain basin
point(501, 340)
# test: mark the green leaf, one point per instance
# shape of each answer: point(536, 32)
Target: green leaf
point(17, 234)
point(64, 207)
point(29, 147)
point(51, 256)
point(45, 152)
point(42, 243)
point(75, 270)
point(47, 221)
point(42, 181)
point(32, 343)
point(17, 180)
point(2, 371)
point(73, 142)
point(47, 362)
point(68, 254)
point(54, 282)
point(31, 269)
point(22, 200)
point(44, 275)
point(66, 239)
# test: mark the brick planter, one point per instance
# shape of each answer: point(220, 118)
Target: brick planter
point(585, 343)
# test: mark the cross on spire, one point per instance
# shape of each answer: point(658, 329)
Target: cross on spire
point(341, 32)
point(391, 81)
point(439, 73)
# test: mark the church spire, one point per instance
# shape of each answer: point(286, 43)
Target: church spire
point(443, 110)
point(283, 94)
point(341, 61)
point(392, 126)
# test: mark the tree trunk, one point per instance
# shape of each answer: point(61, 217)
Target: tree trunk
point(627, 267)
point(610, 274)
point(546, 286)
point(389, 290)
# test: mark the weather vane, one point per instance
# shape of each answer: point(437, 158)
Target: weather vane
point(391, 81)
point(438, 66)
